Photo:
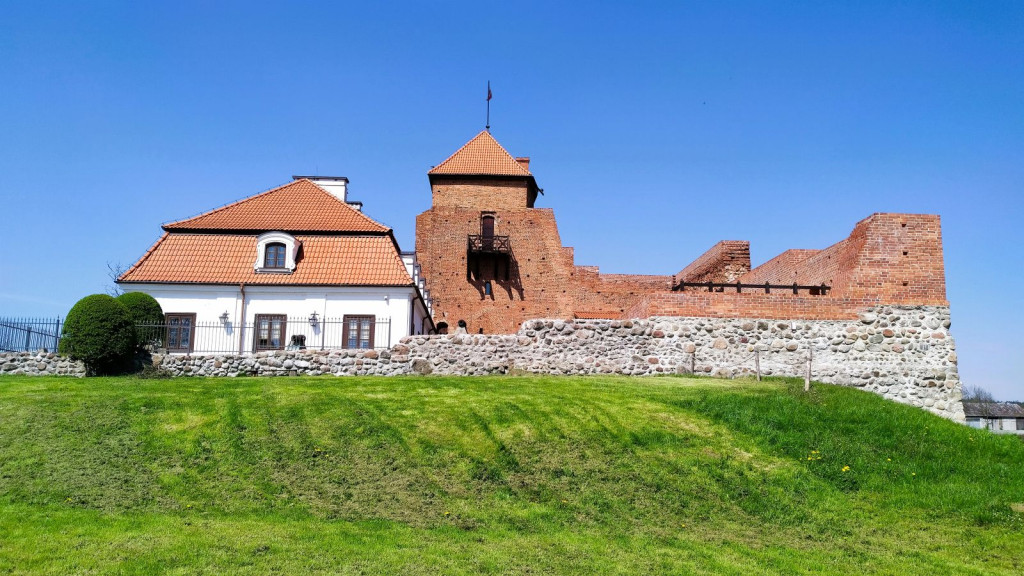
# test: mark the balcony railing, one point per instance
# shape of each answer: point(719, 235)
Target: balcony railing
point(489, 244)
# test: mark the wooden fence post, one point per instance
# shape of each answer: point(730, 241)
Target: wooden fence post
point(757, 363)
point(807, 376)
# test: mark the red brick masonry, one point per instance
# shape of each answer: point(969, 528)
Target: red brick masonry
point(887, 259)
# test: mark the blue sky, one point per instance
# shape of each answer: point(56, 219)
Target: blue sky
point(655, 128)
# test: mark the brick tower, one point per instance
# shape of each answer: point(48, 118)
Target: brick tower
point(490, 257)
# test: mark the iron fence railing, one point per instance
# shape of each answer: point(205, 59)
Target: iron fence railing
point(267, 333)
point(30, 334)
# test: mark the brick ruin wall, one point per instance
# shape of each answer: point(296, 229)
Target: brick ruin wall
point(543, 281)
point(887, 259)
point(724, 262)
point(904, 353)
point(891, 258)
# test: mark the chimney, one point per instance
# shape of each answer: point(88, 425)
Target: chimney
point(524, 162)
point(337, 186)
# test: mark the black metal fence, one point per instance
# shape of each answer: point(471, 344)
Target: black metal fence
point(29, 334)
point(185, 336)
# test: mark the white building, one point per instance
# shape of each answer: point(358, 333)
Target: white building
point(296, 266)
point(998, 417)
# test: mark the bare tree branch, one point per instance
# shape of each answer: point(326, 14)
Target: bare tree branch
point(114, 271)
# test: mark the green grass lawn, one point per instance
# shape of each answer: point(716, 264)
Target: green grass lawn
point(497, 475)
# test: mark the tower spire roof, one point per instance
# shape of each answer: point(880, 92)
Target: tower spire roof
point(481, 156)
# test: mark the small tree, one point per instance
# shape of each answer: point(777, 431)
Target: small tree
point(99, 331)
point(975, 393)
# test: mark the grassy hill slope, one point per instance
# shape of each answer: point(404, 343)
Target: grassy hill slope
point(523, 475)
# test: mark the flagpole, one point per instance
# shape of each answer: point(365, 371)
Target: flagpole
point(488, 125)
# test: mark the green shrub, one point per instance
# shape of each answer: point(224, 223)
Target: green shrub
point(99, 332)
point(142, 308)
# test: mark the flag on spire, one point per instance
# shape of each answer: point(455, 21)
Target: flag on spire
point(488, 125)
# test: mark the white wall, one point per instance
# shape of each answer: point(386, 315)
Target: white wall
point(209, 303)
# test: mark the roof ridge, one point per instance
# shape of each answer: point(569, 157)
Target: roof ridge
point(516, 166)
point(299, 205)
point(343, 203)
point(229, 204)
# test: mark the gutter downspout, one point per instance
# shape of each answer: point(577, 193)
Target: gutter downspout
point(241, 328)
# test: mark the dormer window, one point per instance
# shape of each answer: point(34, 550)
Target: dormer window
point(276, 253)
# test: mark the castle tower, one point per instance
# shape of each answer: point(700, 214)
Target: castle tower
point(490, 258)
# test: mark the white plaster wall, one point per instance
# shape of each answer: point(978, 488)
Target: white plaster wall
point(209, 303)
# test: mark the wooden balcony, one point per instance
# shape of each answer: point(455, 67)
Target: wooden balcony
point(478, 244)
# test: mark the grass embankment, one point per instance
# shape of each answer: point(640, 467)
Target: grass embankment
point(495, 475)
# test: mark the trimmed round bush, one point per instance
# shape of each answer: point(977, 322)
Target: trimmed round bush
point(99, 331)
point(142, 308)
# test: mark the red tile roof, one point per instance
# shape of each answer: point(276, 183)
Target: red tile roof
point(229, 258)
point(481, 156)
point(299, 206)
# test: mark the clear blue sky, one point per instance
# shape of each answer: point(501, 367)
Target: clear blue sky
point(656, 129)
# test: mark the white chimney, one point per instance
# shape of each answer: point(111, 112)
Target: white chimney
point(336, 185)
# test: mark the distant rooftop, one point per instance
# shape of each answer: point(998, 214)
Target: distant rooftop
point(993, 410)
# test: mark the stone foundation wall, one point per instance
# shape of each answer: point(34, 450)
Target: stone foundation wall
point(39, 364)
point(904, 353)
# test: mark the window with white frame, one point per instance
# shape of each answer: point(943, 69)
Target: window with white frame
point(276, 253)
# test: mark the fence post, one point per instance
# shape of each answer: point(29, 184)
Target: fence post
point(757, 363)
point(807, 376)
point(28, 337)
point(693, 363)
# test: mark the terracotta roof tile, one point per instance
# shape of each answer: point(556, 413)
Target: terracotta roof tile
point(229, 259)
point(481, 156)
point(299, 206)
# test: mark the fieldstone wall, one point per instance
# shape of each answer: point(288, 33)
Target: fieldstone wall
point(39, 364)
point(904, 353)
